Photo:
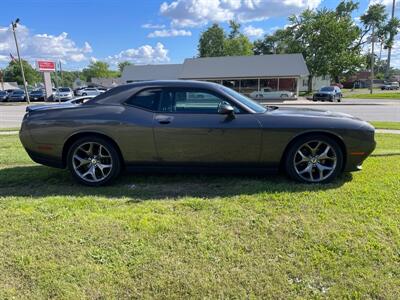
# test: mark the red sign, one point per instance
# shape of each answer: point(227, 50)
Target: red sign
point(46, 65)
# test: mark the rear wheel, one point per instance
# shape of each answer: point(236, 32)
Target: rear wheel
point(93, 161)
point(314, 159)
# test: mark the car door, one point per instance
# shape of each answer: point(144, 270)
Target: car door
point(188, 129)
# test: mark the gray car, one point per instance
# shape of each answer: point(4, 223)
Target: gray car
point(328, 93)
point(190, 125)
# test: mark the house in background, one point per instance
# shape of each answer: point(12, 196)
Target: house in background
point(105, 82)
point(244, 74)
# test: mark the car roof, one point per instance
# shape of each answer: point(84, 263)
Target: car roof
point(122, 92)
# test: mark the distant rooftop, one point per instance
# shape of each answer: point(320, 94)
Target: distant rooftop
point(275, 65)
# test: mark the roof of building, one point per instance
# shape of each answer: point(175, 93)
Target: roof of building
point(9, 85)
point(151, 72)
point(275, 65)
point(279, 65)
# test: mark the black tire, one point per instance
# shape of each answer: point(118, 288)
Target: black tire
point(290, 158)
point(115, 160)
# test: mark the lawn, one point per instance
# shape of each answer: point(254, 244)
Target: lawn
point(375, 95)
point(186, 236)
point(386, 125)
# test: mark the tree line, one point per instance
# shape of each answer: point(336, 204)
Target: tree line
point(97, 69)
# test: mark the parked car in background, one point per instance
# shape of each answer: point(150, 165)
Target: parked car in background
point(63, 94)
point(3, 96)
point(77, 91)
point(16, 96)
point(90, 91)
point(37, 95)
point(192, 125)
point(268, 93)
point(390, 86)
point(328, 93)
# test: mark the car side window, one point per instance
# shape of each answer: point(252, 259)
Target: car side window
point(191, 101)
point(147, 99)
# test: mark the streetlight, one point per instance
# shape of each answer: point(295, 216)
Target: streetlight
point(14, 26)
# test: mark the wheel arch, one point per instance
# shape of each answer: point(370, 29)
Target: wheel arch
point(329, 134)
point(68, 143)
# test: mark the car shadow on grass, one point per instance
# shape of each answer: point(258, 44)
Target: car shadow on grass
point(40, 181)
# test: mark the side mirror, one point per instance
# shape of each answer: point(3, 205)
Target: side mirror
point(225, 109)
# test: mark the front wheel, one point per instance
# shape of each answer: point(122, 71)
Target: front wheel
point(93, 161)
point(314, 159)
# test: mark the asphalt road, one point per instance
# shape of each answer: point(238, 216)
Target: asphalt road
point(370, 110)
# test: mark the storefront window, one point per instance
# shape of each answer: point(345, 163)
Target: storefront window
point(247, 86)
point(233, 84)
point(270, 84)
point(287, 84)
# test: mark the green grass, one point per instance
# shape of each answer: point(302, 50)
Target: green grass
point(386, 125)
point(181, 236)
point(9, 129)
point(375, 95)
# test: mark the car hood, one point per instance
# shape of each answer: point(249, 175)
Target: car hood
point(33, 108)
point(308, 112)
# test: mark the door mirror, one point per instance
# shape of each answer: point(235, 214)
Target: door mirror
point(225, 109)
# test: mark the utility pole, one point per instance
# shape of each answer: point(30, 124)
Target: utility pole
point(2, 80)
point(372, 57)
point(14, 26)
point(390, 48)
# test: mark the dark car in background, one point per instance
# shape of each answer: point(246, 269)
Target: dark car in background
point(16, 96)
point(328, 93)
point(195, 126)
point(37, 95)
point(3, 96)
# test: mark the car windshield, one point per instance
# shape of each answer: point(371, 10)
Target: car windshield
point(36, 92)
point(18, 92)
point(327, 89)
point(63, 90)
point(244, 100)
point(2, 93)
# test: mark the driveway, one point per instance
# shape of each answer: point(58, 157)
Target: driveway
point(370, 110)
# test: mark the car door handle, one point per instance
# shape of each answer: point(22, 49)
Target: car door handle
point(164, 119)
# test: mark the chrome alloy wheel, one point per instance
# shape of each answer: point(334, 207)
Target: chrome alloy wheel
point(315, 161)
point(92, 162)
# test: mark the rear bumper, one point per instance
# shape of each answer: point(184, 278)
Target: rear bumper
point(45, 159)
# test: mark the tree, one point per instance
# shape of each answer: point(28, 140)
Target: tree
point(123, 64)
point(13, 73)
point(98, 69)
point(237, 43)
point(211, 42)
point(327, 39)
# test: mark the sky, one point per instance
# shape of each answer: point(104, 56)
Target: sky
point(77, 32)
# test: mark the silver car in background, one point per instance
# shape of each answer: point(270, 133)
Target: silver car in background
point(63, 94)
point(90, 92)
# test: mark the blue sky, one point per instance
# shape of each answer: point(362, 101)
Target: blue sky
point(146, 31)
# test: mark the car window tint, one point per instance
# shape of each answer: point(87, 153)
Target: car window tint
point(190, 101)
point(147, 99)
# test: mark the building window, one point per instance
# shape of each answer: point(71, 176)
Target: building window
point(287, 84)
point(270, 84)
point(233, 84)
point(247, 86)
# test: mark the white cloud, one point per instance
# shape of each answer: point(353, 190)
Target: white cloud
point(253, 31)
point(45, 46)
point(145, 54)
point(153, 26)
point(191, 13)
point(169, 33)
